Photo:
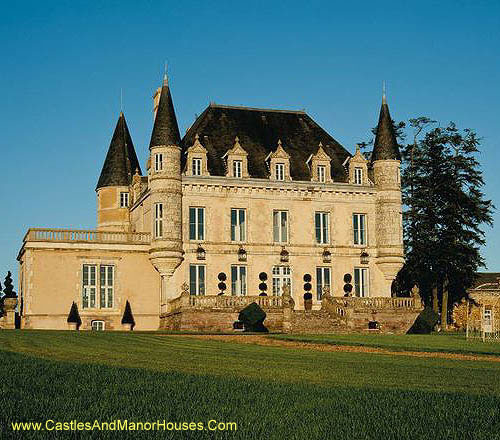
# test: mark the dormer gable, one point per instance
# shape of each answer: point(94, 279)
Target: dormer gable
point(358, 169)
point(319, 164)
point(279, 164)
point(236, 161)
point(196, 163)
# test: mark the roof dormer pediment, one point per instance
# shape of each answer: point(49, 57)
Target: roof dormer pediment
point(197, 147)
point(236, 150)
point(279, 153)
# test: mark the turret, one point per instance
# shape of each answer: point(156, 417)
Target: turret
point(113, 192)
point(166, 192)
point(386, 161)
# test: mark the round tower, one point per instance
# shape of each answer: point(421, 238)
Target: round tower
point(166, 192)
point(113, 187)
point(386, 161)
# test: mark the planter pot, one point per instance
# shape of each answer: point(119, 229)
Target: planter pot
point(308, 304)
point(127, 327)
point(72, 325)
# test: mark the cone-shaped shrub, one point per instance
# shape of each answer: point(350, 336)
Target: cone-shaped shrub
point(128, 318)
point(74, 316)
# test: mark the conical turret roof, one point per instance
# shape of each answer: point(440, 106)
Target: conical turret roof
point(165, 129)
point(121, 161)
point(386, 146)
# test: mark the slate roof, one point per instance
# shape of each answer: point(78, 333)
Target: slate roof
point(121, 161)
point(258, 131)
point(485, 278)
point(386, 146)
point(165, 128)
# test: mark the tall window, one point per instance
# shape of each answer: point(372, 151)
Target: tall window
point(158, 220)
point(322, 226)
point(124, 200)
point(197, 279)
point(196, 166)
point(280, 226)
point(238, 225)
point(89, 286)
point(106, 284)
point(361, 281)
point(322, 280)
point(359, 228)
point(237, 167)
point(321, 173)
point(358, 176)
point(197, 223)
point(282, 275)
point(280, 171)
point(238, 280)
point(158, 162)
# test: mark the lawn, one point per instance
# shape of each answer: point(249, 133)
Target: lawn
point(438, 342)
point(270, 392)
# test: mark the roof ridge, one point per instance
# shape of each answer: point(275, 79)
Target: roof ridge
point(241, 107)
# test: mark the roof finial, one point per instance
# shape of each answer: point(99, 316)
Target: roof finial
point(384, 99)
point(165, 75)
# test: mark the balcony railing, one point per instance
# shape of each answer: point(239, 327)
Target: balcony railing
point(86, 236)
point(224, 302)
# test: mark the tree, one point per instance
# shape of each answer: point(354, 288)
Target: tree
point(9, 288)
point(1, 301)
point(74, 316)
point(128, 318)
point(445, 211)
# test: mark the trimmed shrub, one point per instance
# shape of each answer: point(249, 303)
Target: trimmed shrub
point(128, 318)
point(9, 288)
point(425, 322)
point(253, 317)
point(74, 316)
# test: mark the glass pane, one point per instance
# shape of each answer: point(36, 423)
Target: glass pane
point(234, 279)
point(242, 225)
point(356, 282)
point(103, 297)
point(103, 275)
point(92, 297)
point(362, 229)
point(243, 277)
point(110, 298)
point(85, 275)
point(317, 221)
point(201, 278)
point(283, 226)
point(110, 275)
point(192, 280)
point(276, 236)
point(201, 223)
point(319, 284)
point(192, 224)
point(233, 224)
point(325, 227)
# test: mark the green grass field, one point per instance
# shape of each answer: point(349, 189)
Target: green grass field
point(270, 392)
point(440, 342)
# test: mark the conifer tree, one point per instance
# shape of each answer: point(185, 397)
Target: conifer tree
point(128, 318)
point(74, 315)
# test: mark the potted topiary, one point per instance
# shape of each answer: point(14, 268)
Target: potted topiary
point(308, 302)
point(128, 319)
point(74, 321)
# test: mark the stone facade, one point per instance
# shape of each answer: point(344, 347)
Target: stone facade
point(187, 222)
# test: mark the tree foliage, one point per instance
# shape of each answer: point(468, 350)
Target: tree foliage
point(9, 288)
point(74, 315)
point(128, 318)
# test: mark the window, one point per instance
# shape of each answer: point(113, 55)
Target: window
point(196, 166)
point(487, 316)
point(98, 326)
point(358, 176)
point(238, 226)
point(124, 200)
point(106, 284)
point(158, 220)
point(158, 162)
point(197, 279)
point(321, 173)
point(359, 227)
point(361, 281)
point(282, 276)
point(196, 223)
point(238, 280)
point(322, 225)
point(280, 171)
point(89, 286)
point(322, 280)
point(237, 167)
point(280, 226)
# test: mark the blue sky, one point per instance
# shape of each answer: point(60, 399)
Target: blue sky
point(63, 65)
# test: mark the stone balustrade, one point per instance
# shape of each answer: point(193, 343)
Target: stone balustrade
point(224, 302)
point(86, 236)
point(373, 303)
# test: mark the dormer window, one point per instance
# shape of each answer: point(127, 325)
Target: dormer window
point(236, 161)
point(158, 162)
point(319, 164)
point(196, 166)
point(358, 176)
point(358, 169)
point(321, 173)
point(280, 171)
point(237, 167)
point(279, 164)
point(196, 161)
